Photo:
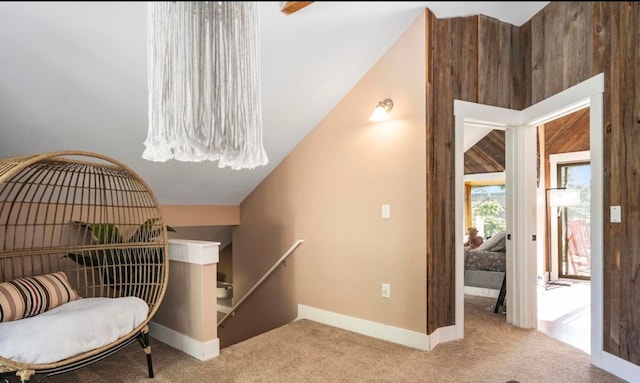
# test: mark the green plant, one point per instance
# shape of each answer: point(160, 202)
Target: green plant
point(491, 211)
point(119, 264)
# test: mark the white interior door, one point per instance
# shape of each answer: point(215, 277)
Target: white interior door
point(520, 168)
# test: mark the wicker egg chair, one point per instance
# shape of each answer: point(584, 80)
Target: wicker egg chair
point(92, 218)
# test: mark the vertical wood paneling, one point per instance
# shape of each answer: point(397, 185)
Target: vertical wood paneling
point(455, 48)
point(576, 44)
point(536, 47)
point(633, 341)
point(430, 39)
point(563, 45)
point(454, 70)
point(439, 155)
point(604, 37)
point(465, 74)
point(627, 150)
point(488, 77)
point(561, 48)
point(553, 72)
point(521, 66)
point(495, 67)
point(570, 43)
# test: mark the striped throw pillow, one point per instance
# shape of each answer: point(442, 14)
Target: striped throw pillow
point(29, 296)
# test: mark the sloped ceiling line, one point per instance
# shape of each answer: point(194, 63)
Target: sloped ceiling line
point(74, 77)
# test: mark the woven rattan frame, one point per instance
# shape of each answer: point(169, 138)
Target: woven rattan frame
point(46, 202)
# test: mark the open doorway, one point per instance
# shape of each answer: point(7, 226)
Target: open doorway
point(564, 254)
point(521, 189)
point(485, 217)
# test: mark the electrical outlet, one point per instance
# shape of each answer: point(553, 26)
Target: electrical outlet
point(386, 290)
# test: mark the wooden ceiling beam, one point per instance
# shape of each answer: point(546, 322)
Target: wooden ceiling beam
point(290, 7)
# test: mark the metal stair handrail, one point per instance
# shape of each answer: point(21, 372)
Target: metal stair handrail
point(261, 280)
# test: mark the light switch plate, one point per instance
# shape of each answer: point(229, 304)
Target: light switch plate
point(386, 211)
point(386, 290)
point(616, 214)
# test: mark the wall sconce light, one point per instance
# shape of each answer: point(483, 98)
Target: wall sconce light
point(381, 112)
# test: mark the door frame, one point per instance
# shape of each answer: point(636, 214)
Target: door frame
point(589, 92)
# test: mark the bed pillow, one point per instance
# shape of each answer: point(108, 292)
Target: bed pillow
point(496, 243)
point(29, 296)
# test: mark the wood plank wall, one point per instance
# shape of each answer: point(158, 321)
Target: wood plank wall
point(591, 38)
point(455, 47)
point(616, 36)
point(440, 165)
point(563, 45)
point(560, 46)
point(499, 70)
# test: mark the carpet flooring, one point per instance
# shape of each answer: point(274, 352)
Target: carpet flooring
point(306, 351)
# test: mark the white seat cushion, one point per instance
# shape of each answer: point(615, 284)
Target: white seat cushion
point(70, 329)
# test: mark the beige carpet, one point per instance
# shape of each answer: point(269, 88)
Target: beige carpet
point(305, 351)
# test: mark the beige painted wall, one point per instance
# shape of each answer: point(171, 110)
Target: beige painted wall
point(329, 192)
point(189, 304)
point(225, 264)
point(201, 215)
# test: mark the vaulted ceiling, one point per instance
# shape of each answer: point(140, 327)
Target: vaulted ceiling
point(566, 134)
point(486, 156)
point(73, 76)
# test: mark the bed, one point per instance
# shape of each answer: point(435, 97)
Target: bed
point(485, 266)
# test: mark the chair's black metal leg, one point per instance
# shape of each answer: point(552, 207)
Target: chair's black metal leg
point(150, 365)
point(144, 342)
point(503, 292)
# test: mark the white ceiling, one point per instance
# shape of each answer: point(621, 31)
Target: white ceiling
point(474, 134)
point(73, 76)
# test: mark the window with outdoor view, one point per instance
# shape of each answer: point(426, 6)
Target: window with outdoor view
point(488, 205)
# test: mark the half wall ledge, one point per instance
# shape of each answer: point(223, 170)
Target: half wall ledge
point(184, 319)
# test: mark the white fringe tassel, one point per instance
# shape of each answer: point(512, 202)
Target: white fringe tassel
point(204, 83)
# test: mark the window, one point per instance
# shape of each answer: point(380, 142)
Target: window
point(486, 208)
point(575, 248)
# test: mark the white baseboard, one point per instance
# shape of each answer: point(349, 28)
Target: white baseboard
point(617, 366)
point(377, 330)
point(199, 350)
point(482, 292)
point(442, 335)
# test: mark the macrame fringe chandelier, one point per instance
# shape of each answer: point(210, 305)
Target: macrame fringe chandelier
point(204, 83)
